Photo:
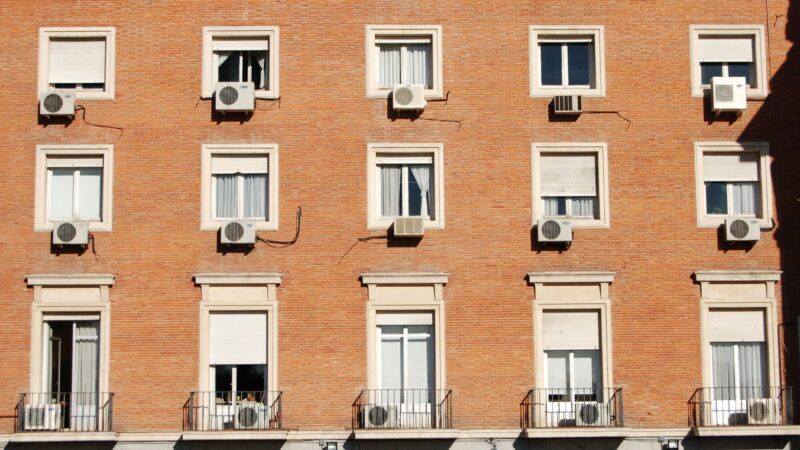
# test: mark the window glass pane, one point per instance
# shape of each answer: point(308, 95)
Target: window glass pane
point(228, 66)
point(255, 196)
point(226, 196)
point(388, 65)
point(420, 363)
point(391, 363)
point(61, 191)
point(741, 70)
point(555, 206)
point(223, 379)
point(251, 378)
point(586, 379)
point(551, 63)
point(93, 86)
point(716, 198)
point(579, 61)
point(709, 70)
point(419, 65)
point(583, 206)
point(90, 191)
point(557, 375)
point(722, 370)
point(391, 192)
point(745, 198)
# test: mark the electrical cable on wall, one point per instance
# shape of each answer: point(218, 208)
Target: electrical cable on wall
point(273, 102)
point(94, 250)
point(280, 243)
point(83, 117)
point(361, 239)
point(619, 114)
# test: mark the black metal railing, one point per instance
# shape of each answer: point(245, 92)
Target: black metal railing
point(741, 406)
point(589, 407)
point(240, 410)
point(411, 409)
point(64, 411)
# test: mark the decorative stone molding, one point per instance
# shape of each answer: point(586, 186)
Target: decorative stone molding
point(416, 287)
point(573, 285)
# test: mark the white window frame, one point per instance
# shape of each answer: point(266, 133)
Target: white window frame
point(434, 32)
point(271, 33)
point(757, 33)
point(567, 33)
point(403, 153)
point(603, 206)
point(42, 201)
point(107, 33)
point(764, 180)
point(207, 219)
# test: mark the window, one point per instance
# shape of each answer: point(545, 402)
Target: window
point(406, 357)
point(247, 54)
point(728, 50)
point(403, 55)
point(567, 60)
point(405, 181)
point(77, 59)
point(572, 356)
point(732, 181)
point(239, 183)
point(73, 183)
point(570, 181)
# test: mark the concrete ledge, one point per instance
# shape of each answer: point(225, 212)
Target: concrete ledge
point(750, 430)
point(273, 435)
point(406, 434)
point(149, 437)
point(577, 432)
point(64, 436)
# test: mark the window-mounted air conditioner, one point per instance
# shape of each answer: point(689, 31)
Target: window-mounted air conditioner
point(238, 232)
point(382, 416)
point(567, 105)
point(763, 411)
point(592, 414)
point(742, 229)
point(235, 97)
point(57, 103)
point(729, 94)
point(407, 97)
point(71, 233)
point(43, 417)
point(408, 227)
point(554, 230)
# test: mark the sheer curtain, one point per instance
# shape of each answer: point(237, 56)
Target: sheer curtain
point(61, 191)
point(722, 367)
point(553, 206)
point(419, 64)
point(582, 206)
point(84, 378)
point(745, 200)
point(752, 370)
point(391, 178)
point(226, 196)
point(389, 65)
point(255, 196)
point(262, 65)
point(422, 175)
point(90, 193)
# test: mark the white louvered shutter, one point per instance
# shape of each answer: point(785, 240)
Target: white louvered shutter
point(571, 330)
point(736, 325)
point(77, 61)
point(229, 164)
point(569, 175)
point(404, 318)
point(241, 44)
point(238, 338)
point(725, 49)
point(737, 166)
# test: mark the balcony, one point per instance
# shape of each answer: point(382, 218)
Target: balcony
point(64, 412)
point(233, 411)
point(571, 409)
point(740, 410)
point(404, 410)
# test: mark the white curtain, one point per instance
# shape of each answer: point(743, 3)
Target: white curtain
point(391, 359)
point(422, 174)
point(557, 372)
point(391, 178)
point(61, 193)
point(222, 57)
point(582, 206)
point(723, 369)
point(85, 358)
point(226, 196)
point(419, 64)
point(255, 196)
point(389, 65)
point(752, 370)
point(262, 65)
point(551, 206)
point(90, 193)
point(745, 198)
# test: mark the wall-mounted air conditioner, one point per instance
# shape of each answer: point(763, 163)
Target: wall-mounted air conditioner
point(238, 232)
point(408, 227)
point(567, 105)
point(252, 416)
point(408, 97)
point(71, 233)
point(43, 417)
point(742, 229)
point(763, 411)
point(235, 97)
point(592, 414)
point(554, 230)
point(57, 103)
point(729, 94)
point(382, 416)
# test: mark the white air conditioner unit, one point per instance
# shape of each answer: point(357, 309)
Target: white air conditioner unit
point(238, 233)
point(382, 416)
point(57, 103)
point(43, 417)
point(729, 94)
point(252, 416)
point(408, 97)
point(567, 104)
point(408, 227)
point(71, 233)
point(742, 229)
point(763, 411)
point(592, 414)
point(235, 97)
point(554, 230)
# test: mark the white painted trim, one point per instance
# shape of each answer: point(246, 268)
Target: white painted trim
point(764, 179)
point(435, 33)
point(109, 33)
point(272, 33)
point(737, 275)
point(374, 222)
point(404, 278)
point(759, 57)
point(207, 222)
point(105, 151)
point(571, 277)
point(238, 278)
point(595, 32)
point(579, 432)
point(603, 200)
point(748, 430)
point(76, 279)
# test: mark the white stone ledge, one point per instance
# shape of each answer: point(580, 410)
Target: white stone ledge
point(406, 434)
point(737, 275)
point(577, 432)
point(750, 430)
point(238, 435)
point(571, 276)
point(64, 436)
point(71, 279)
point(253, 278)
point(405, 278)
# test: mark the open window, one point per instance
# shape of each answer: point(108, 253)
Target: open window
point(246, 54)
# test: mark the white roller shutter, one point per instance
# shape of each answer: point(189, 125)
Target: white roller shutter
point(736, 325)
point(241, 44)
point(571, 330)
point(71, 161)
point(569, 174)
point(237, 338)
point(227, 164)
point(77, 60)
point(404, 318)
point(738, 166)
point(725, 49)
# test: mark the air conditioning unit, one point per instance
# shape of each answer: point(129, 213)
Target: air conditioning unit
point(409, 227)
point(43, 417)
point(252, 416)
point(71, 233)
point(408, 97)
point(729, 94)
point(57, 103)
point(382, 416)
point(592, 414)
point(741, 229)
point(567, 104)
point(763, 411)
point(235, 97)
point(238, 233)
point(554, 230)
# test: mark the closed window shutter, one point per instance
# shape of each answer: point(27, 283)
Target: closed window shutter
point(738, 166)
point(71, 161)
point(77, 61)
point(229, 164)
point(404, 318)
point(569, 175)
point(237, 338)
point(571, 330)
point(241, 44)
point(736, 325)
point(725, 49)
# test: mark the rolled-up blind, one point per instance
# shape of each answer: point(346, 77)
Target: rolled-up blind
point(238, 338)
point(71, 161)
point(738, 166)
point(571, 330)
point(569, 174)
point(404, 318)
point(77, 60)
point(736, 325)
point(241, 44)
point(725, 49)
point(228, 164)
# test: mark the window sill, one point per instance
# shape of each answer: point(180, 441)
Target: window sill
point(383, 94)
point(752, 94)
point(579, 223)
point(716, 222)
point(542, 92)
point(216, 225)
point(384, 224)
point(260, 95)
point(93, 226)
point(86, 95)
